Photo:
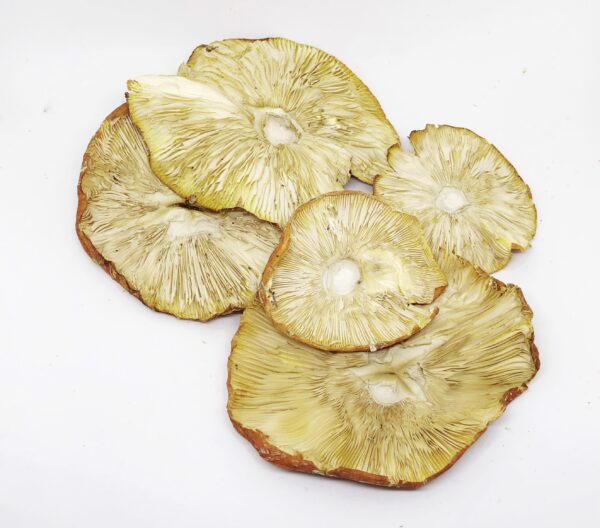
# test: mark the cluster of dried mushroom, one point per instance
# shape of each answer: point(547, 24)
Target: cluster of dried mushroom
point(374, 345)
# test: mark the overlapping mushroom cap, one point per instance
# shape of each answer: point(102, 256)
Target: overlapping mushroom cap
point(467, 196)
point(397, 417)
point(351, 273)
point(177, 259)
point(178, 196)
point(264, 125)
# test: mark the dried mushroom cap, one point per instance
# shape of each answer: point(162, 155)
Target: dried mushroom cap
point(312, 77)
point(177, 259)
point(398, 417)
point(468, 197)
point(263, 125)
point(351, 273)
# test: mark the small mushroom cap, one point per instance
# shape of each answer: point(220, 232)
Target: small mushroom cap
point(468, 197)
point(351, 273)
point(263, 125)
point(397, 417)
point(176, 258)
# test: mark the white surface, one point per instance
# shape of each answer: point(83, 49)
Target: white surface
point(114, 416)
point(341, 277)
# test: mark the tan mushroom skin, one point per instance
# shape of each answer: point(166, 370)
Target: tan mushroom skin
point(398, 417)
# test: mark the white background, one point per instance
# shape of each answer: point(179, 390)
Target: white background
point(114, 416)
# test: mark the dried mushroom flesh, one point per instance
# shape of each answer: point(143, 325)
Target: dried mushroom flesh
point(351, 273)
point(398, 417)
point(176, 258)
point(263, 125)
point(468, 197)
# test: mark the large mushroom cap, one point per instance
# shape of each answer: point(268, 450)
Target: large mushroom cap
point(177, 259)
point(351, 273)
point(398, 417)
point(468, 197)
point(264, 125)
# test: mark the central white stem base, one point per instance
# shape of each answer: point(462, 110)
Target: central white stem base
point(451, 200)
point(342, 277)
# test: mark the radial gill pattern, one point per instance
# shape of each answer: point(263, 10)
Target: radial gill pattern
point(263, 125)
point(351, 273)
point(176, 258)
point(397, 417)
point(468, 197)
